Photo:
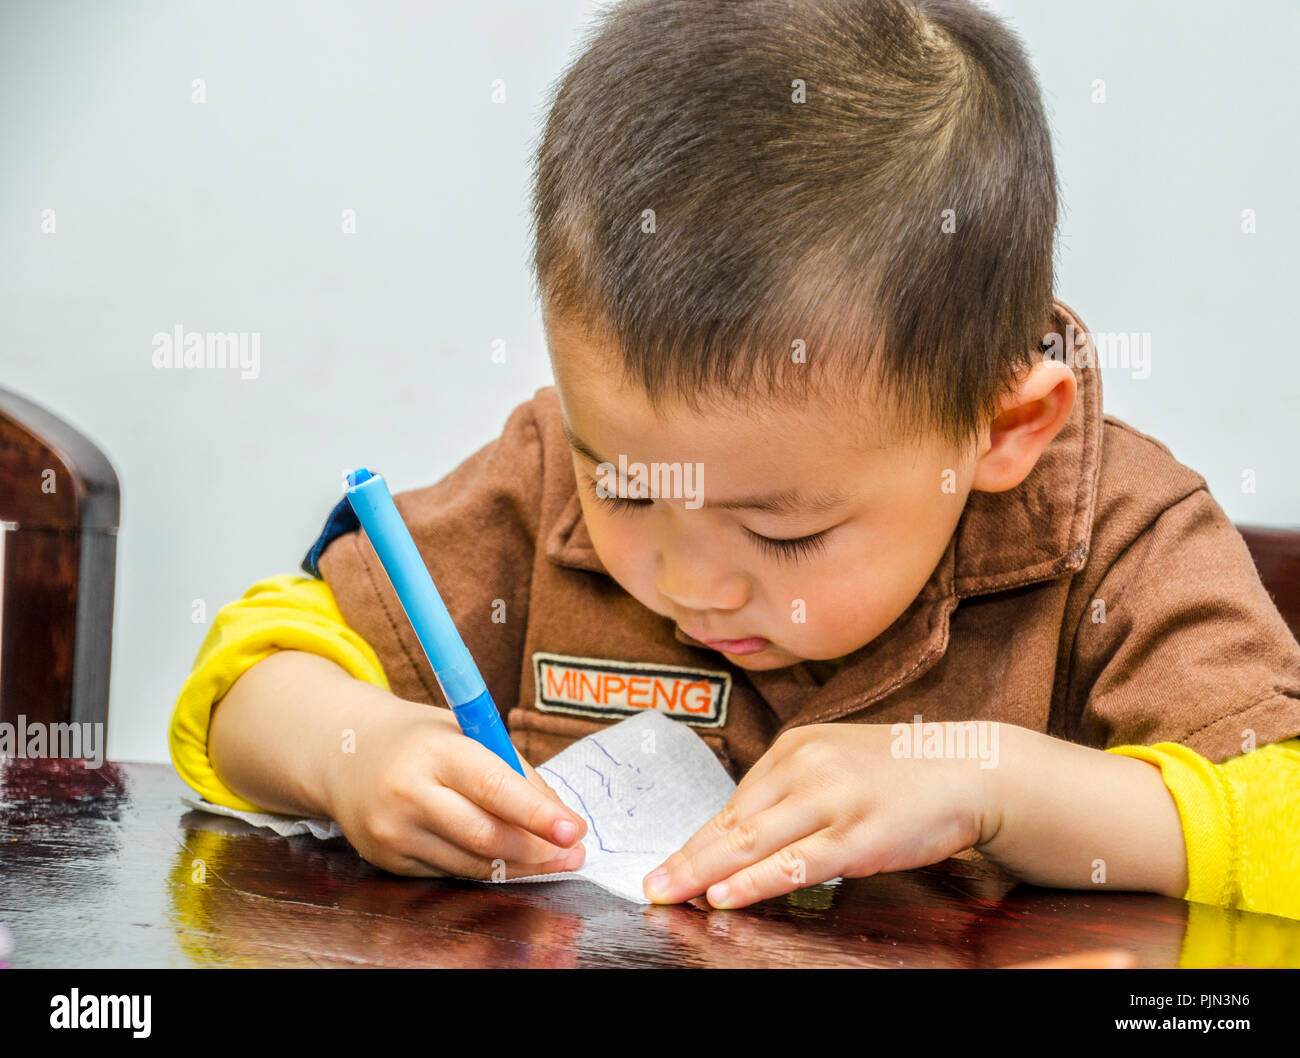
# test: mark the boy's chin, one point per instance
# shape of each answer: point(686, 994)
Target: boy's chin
point(771, 658)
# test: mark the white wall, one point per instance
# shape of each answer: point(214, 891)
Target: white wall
point(375, 347)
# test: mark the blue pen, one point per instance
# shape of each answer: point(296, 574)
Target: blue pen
point(457, 674)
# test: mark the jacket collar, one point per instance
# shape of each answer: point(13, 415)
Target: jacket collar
point(1043, 527)
point(1039, 530)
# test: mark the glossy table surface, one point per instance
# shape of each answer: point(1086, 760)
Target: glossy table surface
point(107, 868)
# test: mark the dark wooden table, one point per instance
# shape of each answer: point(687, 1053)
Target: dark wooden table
point(107, 868)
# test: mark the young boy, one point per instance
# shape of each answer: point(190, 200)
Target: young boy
point(825, 475)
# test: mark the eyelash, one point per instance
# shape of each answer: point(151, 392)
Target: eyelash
point(795, 550)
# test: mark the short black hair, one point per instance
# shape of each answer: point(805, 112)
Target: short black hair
point(822, 220)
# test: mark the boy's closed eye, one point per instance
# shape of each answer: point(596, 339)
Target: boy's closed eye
point(782, 548)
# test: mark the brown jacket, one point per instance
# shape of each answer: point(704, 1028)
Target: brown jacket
point(1191, 650)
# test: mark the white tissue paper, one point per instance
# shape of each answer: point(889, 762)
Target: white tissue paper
point(644, 786)
point(282, 825)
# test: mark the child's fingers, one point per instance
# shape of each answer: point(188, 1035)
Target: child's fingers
point(427, 855)
point(535, 777)
point(483, 778)
point(459, 821)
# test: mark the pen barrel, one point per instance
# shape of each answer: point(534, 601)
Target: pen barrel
point(481, 721)
point(452, 664)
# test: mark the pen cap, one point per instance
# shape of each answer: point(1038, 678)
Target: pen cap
point(452, 664)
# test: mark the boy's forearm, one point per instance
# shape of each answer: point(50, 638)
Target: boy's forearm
point(1071, 817)
point(277, 732)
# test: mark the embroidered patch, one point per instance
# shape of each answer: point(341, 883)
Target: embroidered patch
point(602, 687)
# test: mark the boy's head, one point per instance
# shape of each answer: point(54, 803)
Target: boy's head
point(807, 248)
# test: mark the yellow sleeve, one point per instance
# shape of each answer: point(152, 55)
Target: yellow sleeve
point(1240, 821)
point(287, 612)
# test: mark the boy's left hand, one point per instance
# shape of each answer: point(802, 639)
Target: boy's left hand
point(826, 801)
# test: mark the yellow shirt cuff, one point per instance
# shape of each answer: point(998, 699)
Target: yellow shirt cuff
point(1240, 820)
point(286, 612)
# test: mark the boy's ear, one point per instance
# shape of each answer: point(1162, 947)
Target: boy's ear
point(1032, 414)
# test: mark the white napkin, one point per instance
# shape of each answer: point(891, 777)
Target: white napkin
point(281, 824)
point(644, 785)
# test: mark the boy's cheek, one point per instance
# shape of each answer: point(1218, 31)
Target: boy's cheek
point(628, 557)
point(836, 617)
point(614, 547)
point(603, 535)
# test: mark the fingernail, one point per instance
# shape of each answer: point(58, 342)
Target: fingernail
point(565, 832)
point(574, 857)
point(718, 894)
point(657, 880)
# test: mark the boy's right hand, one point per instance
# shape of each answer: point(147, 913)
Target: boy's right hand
point(418, 797)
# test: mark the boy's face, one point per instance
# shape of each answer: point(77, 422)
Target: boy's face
point(713, 560)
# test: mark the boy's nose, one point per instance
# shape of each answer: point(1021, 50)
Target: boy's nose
point(727, 593)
